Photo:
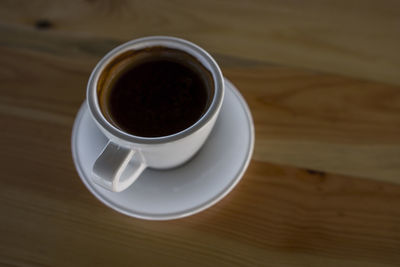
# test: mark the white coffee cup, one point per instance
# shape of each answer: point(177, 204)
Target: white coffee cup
point(126, 156)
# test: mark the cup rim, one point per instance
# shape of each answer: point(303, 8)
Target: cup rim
point(150, 41)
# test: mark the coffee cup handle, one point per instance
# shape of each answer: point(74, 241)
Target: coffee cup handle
point(116, 168)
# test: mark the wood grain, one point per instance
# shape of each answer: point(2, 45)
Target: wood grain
point(324, 122)
point(303, 118)
point(323, 187)
point(354, 38)
point(277, 214)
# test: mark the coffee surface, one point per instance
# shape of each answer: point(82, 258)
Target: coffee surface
point(157, 97)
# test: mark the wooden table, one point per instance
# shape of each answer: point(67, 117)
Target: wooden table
point(322, 79)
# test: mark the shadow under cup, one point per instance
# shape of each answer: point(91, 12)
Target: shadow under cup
point(155, 91)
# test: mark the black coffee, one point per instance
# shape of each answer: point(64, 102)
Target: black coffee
point(161, 92)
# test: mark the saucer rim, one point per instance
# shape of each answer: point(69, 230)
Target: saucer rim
point(175, 215)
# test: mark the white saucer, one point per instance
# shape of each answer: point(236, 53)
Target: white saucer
point(183, 191)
